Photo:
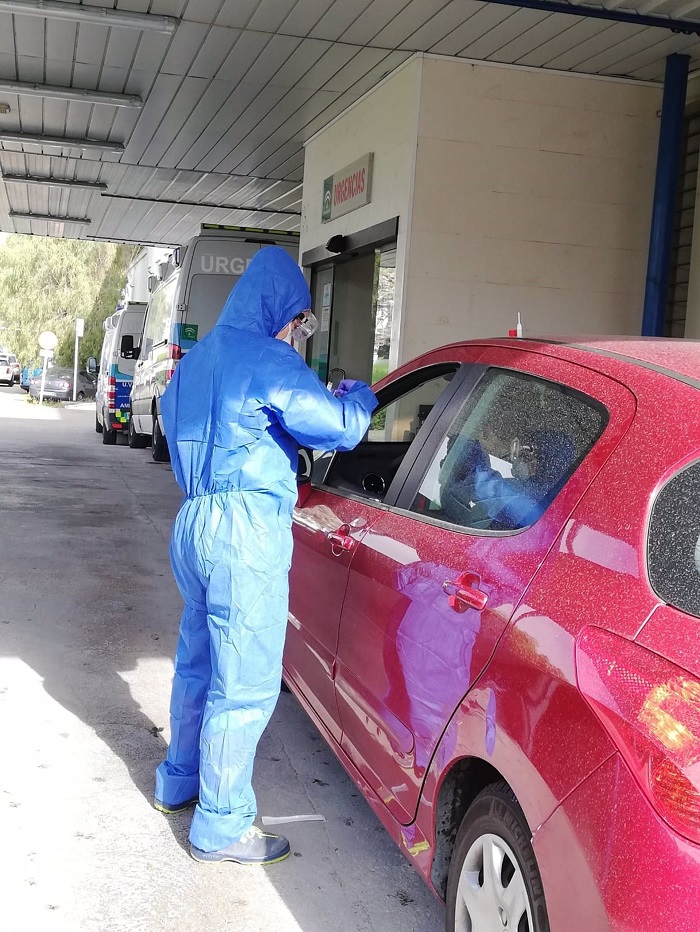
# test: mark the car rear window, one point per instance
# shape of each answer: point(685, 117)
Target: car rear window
point(673, 549)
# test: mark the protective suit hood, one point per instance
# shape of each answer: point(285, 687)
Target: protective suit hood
point(269, 294)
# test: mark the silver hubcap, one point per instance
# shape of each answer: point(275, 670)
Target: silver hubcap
point(491, 894)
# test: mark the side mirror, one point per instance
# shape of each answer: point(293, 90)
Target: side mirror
point(305, 466)
point(127, 350)
point(92, 366)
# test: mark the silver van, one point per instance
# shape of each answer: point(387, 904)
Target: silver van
point(187, 296)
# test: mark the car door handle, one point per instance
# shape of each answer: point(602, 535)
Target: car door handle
point(341, 541)
point(465, 593)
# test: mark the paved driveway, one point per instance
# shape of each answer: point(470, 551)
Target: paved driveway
point(88, 624)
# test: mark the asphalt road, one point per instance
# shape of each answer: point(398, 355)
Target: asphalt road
point(88, 626)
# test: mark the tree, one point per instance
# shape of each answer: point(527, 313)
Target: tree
point(46, 283)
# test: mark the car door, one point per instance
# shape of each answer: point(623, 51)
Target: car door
point(345, 499)
point(436, 578)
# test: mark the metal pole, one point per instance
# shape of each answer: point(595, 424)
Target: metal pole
point(75, 365)
point(45, 355)
point(663, 214)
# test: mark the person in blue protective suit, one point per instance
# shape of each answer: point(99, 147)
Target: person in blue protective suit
point(239, 405)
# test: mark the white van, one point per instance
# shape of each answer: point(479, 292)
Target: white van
point(187, 297)
point(116, 372)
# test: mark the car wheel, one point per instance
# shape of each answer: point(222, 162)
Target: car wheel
point(80, 396)
point(98, 427)
point(136, 441)
point(160, 451)
point(494, 881)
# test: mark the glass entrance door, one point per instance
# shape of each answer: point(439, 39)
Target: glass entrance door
point(354, 302)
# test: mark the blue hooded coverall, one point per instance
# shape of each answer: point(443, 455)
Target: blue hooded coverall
point(239, 405)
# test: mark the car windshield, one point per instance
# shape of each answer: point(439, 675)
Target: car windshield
point(3, 360)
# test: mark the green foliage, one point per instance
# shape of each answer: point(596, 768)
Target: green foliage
point(46, 283)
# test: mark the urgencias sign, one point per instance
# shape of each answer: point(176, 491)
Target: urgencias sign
point(348, 189)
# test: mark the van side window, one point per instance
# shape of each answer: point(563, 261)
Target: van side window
point(158, 318)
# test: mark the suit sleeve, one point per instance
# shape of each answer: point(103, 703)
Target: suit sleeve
point(310, 413)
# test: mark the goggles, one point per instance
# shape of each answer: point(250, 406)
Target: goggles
point(306, 325)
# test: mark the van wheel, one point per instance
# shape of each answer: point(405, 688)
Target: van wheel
point(160, 451)
point(494, 881)
point(109, 437)
point(136, 441)
point(98, 427)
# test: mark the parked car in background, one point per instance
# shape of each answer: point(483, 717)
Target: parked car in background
point(59, 385)
point(16, 370)
point(7, 371)
point(505, 657)
point(28, 373)
point(115, 372)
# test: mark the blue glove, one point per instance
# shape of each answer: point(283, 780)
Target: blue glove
point(345, 386)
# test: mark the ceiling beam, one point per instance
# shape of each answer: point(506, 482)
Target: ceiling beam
point(54, 182)
point(25, 89)
point(249, 209)
point(585, 11)
point(22, 215)
point(61, 142)
point(55, 9)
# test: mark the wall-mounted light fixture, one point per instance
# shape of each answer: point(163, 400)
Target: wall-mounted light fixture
point(21, 215)
point(55, 9)
point(25, 89)
point(54, 182)
point(61, 142)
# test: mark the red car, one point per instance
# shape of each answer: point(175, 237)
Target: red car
point(494, 622)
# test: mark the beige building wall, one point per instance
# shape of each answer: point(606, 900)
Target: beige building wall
point(533, 193)
point(517, 190)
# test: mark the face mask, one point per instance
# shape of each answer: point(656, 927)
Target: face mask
point(306, 328)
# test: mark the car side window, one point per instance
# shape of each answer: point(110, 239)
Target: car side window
point(508, 452)
point(673, 550)
point(369, 469)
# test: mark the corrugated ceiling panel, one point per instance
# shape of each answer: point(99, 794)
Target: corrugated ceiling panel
point(572, 32)
point(243, 55)
point(410, 20)
point(305, 15)
point(338, 19)
point(540, 32)
point(184, 48)
point(30, 69)
point(373, 18)
point(216, 130)
point(160, 98)
point(91, 44)
point(294, 111)
point(209, 106)
point(29, 36)
point(184, 104)
point(503, 31)
point(215, 50)
point(270, 14)
point(442, 24)
point(236, 13)
point(121, 48)
point(605, 39)
point(60, 39)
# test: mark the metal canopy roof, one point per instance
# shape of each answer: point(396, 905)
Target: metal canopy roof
point(168, 113)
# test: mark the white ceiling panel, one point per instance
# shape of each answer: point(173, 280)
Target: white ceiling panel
point(230, 97)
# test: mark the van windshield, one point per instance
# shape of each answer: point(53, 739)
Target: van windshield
point(208, 294)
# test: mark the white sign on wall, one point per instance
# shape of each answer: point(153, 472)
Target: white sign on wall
point(348, 189)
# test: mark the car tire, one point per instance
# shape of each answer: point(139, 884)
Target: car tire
point(136, 441)
point(495, 832)
point(98, 427)
point(80, 396)
point(159, 444)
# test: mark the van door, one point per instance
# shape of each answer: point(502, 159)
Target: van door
point(151, 367)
